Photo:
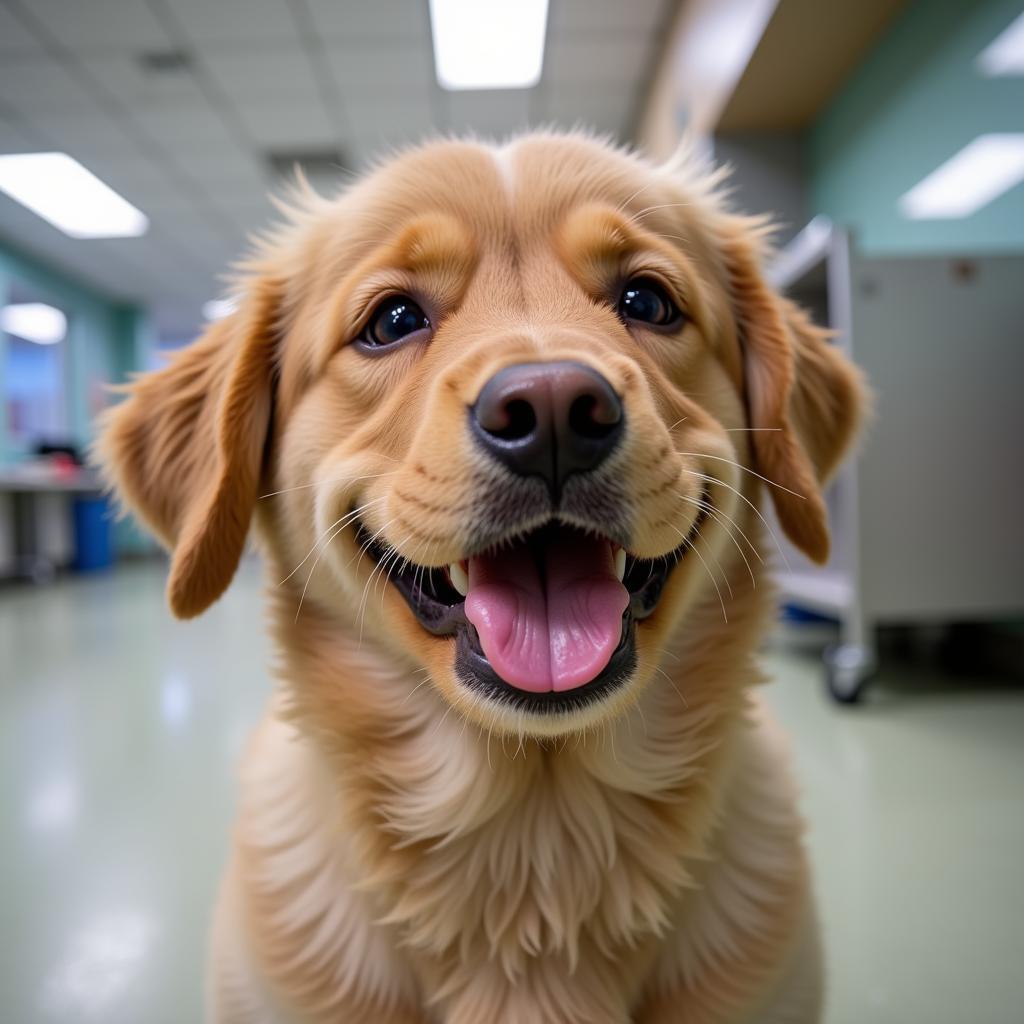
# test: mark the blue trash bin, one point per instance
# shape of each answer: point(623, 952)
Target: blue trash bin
point(94, 548)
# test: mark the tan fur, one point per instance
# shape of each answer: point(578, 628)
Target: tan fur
point(407, 851)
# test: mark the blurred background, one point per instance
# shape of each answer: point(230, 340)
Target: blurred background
point(139, 141)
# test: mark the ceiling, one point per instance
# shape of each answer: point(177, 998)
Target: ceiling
point(808, 50)
point(180, 105)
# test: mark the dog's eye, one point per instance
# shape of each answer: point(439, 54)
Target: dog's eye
point(646, 301)
point(394, 319)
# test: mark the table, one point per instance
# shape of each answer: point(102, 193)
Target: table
point(26, 494)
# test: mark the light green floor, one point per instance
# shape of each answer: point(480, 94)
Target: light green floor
point(119, 729)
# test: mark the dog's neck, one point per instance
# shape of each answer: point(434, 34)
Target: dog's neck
point(445, 823)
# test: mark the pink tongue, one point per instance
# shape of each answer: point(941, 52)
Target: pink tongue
point(554, 629)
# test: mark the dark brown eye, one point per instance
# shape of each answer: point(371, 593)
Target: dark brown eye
point(645, 301)
point(394, 319)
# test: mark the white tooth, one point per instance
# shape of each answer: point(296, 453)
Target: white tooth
point(459, 578)
point(620, 563)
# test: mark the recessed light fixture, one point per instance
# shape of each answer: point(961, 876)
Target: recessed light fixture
point(1005, 54)
point(984, 169)
point(217, 309)
point(60, 190)
point(488, 44)
point(34, 321)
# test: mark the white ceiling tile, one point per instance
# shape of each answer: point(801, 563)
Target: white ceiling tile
point(128, 256)
point(591, 58)
point(250, 187)
point(362, 151)
point(490, 114)
point(261, 72)
point(101, 24)
point(381, 68)
point(600, 110)
point(255, 206)
point(276, 125)
point(16, 138)
point(248, 215)
point(195, 236)
point(31, 85)
point(187, 128)
point(338, 20)
point(223, 170)
point(86, 135)
point(223, 160)
point(236, 22)
point(575, 16)
point(410, 117)
point(122, 76)
point(15, 38)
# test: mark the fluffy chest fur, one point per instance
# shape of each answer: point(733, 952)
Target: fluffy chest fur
point(393, 851)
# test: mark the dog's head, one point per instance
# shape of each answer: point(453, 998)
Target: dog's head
point(510, 404)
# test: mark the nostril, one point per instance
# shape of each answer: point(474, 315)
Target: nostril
point(521, 421)
point(548, 420)
point(586, 419)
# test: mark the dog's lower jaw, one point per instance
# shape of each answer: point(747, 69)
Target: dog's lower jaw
point(391, 860)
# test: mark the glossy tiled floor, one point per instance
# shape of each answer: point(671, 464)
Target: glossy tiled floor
point(119, 729)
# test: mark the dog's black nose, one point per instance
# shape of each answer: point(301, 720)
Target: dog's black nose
point(548, 420)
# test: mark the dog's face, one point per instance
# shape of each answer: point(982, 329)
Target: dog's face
point(507, 402)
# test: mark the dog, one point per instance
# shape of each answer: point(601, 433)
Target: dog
point(502, 419)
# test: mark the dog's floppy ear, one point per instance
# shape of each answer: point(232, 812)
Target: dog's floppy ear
point(804, 399)
point(185, 450)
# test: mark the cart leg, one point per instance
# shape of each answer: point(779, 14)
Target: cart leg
point(847, 668)
point(850, 663)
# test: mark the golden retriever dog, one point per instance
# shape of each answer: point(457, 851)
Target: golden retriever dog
point(501, 420)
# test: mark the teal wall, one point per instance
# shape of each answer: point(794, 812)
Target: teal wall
point(106, 340)
point(910, 106)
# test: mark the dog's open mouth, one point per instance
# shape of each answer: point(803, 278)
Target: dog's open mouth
point(544, 622)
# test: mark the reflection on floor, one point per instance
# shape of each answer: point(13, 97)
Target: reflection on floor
point(119, 729)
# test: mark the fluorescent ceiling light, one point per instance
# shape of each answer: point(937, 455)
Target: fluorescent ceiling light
point(34, 321)
point(217, 309)
point(488, 44)
point(60, 190)
point(1005, 54)
point(981, 171)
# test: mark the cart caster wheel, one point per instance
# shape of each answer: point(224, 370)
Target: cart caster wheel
point(846, 671)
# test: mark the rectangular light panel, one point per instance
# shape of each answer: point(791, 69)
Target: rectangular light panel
point(34, 321)
point(983, 170)
point(1005, 54)
point(67, 195)
point(488, 44)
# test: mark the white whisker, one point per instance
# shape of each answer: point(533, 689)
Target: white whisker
point(316, 562)
point(755, 509)
point(325, 483)
point(672, 683)
point(713, 512)
point(342, 523)
point(366, 589)
point(745, 469)
point(711, 575)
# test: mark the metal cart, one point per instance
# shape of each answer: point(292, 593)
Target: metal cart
point(927, 522)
